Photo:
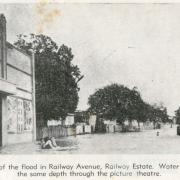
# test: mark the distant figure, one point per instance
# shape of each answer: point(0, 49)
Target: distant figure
point(48, 143)
point(157, 133)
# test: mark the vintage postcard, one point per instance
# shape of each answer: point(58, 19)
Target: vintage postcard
point(89, 90)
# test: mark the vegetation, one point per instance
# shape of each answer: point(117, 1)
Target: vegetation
point(56, 77)
point(177, 115)
point(119, 102)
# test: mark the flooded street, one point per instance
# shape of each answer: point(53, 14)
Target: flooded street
point(145, 142)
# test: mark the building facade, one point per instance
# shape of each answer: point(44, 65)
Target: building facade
point(17, 92)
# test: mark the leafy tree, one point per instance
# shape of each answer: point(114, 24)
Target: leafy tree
point(177, 115)
point(56, 77)
point(157, 114)
point(117, 102)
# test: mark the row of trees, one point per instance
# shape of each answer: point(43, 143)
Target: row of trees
point(177, 115)
point(56, 76)
point(119, 102)
point(57, 86)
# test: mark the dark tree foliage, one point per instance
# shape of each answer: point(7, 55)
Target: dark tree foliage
point(56, 77)
point(157, 114)
point(119, 102)
point(177, 115)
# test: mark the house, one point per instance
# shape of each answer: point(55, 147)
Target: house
point(54, 122)
point(17, 92)
point(110, 126)
point(132, 126)
point(69, 121)
point(92, 122)
point(84, 117)
point(80, 128)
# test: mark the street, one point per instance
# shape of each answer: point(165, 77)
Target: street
point(145, 142)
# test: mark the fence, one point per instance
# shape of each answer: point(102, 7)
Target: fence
point(54, 131)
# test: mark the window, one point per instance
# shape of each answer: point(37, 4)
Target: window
point(19, 115)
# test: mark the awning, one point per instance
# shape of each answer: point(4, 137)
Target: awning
point(7, 87)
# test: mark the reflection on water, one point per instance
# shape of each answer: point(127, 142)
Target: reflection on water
point(115, 143)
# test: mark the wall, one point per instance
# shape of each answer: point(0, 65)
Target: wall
point(92, 121)
point(19, 72)
point(87, 128)
point(20, 120)
point(113, 122)
point(2, 46)
point(118, 128)
point(69, 120)
point(110, 128)
point(79, 129)
point(71, 131)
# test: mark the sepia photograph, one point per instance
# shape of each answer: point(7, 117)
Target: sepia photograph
point(89, 78)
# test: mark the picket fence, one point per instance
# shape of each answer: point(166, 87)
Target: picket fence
point(55, 131)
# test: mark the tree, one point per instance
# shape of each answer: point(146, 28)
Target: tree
point(117, 102)
point(157, 114)
point(56, 77)
point(177, 115)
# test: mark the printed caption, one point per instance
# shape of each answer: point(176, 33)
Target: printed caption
point(108, 170)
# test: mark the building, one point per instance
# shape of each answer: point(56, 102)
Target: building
point(69, 121)
point(110, 126)
point(81, 117)
point(92, 122)
point(80, 128)
point(17, 92)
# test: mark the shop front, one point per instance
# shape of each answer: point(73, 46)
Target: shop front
point(17, 92)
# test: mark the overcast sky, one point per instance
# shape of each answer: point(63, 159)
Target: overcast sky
point(131, 44)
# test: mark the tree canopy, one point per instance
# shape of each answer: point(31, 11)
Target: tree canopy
point(119, 102)
point(116, 102)
point(177, 115)
point(56, 76)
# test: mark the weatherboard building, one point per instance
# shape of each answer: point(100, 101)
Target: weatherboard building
point(17, 92)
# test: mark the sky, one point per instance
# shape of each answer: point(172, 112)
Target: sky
point(130, 44)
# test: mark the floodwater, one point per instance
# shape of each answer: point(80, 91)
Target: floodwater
point(145, 142)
